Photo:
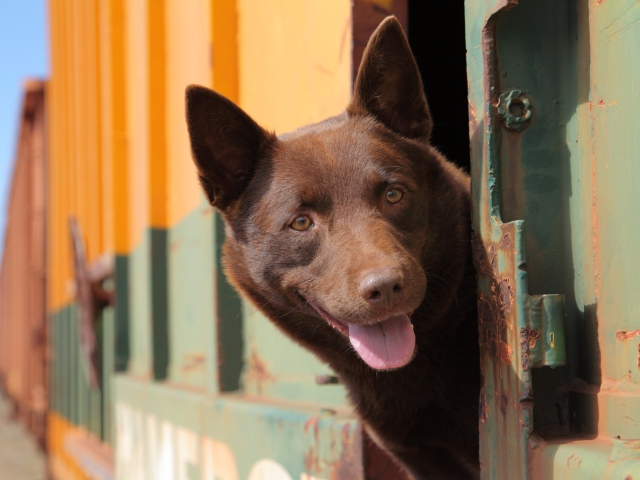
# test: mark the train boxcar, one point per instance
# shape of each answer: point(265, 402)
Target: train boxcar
point(156, 368)
point(23, 316)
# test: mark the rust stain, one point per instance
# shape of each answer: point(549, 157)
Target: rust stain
point(343, 38)
point(528, 338)
point(483, 408)
point(346, 29)
point(505, 295)
point(311, 423)
point(504, 402)
point(599, 2)
point(343, 467)
point(601, 104)
point(324, 69)
point(193, 361)
point(493, 308)
point(506, 241)
point(595, 228)
point(311, 461)
point(638, 360)
point(624, 335)
point(590, 106)
point(257, 371)
point(505, 353)
point(346, 465)
point(175, 245)
point(473, 118)
point(207, 211)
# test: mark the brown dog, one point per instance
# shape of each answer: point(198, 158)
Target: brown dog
point(353, 236)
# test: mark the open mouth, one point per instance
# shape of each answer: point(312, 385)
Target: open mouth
point(383, 345)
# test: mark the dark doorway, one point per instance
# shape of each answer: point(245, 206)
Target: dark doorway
point(437, 38)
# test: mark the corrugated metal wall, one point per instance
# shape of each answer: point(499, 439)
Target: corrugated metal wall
point(23, 328)
point(180, 352)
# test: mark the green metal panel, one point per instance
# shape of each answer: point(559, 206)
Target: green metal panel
point(182, 434)
point(108, 342)
point(615, 96)
point(74, 372)
point(71, 395)
point(277, 393)
point(139, 315)
point(229, 314)
point(81, 413)
point(53, 365)
point(157, 276)
point(191, 293)
point(553, 175)
point(277, 368)
point(121, 313)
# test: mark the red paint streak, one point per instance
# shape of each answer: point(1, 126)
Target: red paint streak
point(595, 225)
point(323, 69)
point(599, 2)
point(590, 107)
point(343, 39)
point(624, 335)
point(601, 104)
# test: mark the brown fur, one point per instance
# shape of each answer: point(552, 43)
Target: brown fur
point(337, 172)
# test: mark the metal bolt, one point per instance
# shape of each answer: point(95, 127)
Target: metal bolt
point(515, 108)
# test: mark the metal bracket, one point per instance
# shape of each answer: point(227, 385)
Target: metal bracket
point(542, 343)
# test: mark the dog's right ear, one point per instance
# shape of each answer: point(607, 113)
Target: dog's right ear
point(225, 143)
point(388, 85)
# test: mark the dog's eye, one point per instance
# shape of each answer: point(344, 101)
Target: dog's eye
point(394, 195)
point(301, 223)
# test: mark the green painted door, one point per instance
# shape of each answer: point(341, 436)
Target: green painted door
point(553, 102)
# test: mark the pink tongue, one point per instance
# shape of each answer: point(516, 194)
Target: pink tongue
point(384, 345)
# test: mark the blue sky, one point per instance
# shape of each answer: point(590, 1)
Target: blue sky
point(23, 54)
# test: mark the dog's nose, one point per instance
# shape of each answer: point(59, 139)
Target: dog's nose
point(382, 288)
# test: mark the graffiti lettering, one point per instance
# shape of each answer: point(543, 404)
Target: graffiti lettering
point(156, 449)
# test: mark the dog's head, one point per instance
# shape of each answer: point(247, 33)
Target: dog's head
point(331, 228)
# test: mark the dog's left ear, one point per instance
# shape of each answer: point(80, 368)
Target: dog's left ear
point(388, 85)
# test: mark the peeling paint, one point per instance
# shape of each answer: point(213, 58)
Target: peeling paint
point(493, 308)
point(528, 338)
point(624, 335)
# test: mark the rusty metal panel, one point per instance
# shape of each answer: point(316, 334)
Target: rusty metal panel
point(552, 177)
point(23, 328)
point(163, 430)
